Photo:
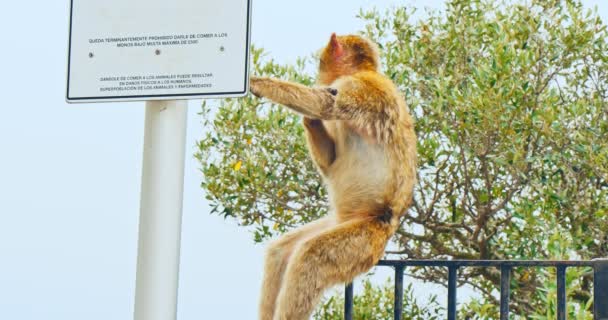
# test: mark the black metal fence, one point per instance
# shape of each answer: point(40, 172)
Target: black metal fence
point(600, 283)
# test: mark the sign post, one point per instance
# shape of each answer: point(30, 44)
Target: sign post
point(162, 52)
point(160, 210)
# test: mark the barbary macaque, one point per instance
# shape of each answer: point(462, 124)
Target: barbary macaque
point(361, 137)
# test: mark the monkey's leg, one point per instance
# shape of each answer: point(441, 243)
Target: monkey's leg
point(321, 145)
point(334, 256)
point(277, 256)
point(310, 102)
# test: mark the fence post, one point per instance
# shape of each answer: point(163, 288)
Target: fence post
point(398, 292)
point(600, 289)
point(452, 277)
point(561, 292)
point(505, 290)
point(348, 302)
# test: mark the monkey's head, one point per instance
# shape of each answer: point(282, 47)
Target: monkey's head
point(345, 55)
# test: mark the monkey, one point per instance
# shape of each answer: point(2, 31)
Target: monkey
point(361, 137)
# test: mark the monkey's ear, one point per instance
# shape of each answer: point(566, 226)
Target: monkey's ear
point(336, 46)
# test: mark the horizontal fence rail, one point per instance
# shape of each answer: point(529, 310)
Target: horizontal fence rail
point(600, 283)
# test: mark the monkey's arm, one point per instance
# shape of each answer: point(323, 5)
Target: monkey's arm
point(322, 146)
point(310, 102)
point(363, 98)
point(313, 103)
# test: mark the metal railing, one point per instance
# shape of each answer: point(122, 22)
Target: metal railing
point(600, 283)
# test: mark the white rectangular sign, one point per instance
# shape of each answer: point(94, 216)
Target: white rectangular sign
point(157, 49)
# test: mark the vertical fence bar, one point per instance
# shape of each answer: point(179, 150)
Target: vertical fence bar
point(561, 292)
point(398, 292)
point(600, 290)
point(505, 283)
point(452, 274)
point(348, 302)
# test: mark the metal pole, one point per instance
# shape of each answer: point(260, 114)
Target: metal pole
point(160, 219)
point(348, 302)
point(452, 287)
point(505, 288)
point(561, 292)
point(398, 312)
point(600, 289)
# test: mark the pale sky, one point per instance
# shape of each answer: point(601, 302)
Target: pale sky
point(70, 176)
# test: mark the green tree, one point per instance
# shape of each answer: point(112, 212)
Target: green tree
point(510, 101)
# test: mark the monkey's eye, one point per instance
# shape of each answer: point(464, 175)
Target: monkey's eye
point(332, 91)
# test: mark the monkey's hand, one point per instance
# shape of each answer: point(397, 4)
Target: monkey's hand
point(255, 84)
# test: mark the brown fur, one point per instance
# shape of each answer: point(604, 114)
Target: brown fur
point(361, 137)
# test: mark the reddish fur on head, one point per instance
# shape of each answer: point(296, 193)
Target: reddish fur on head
point(346, 55)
